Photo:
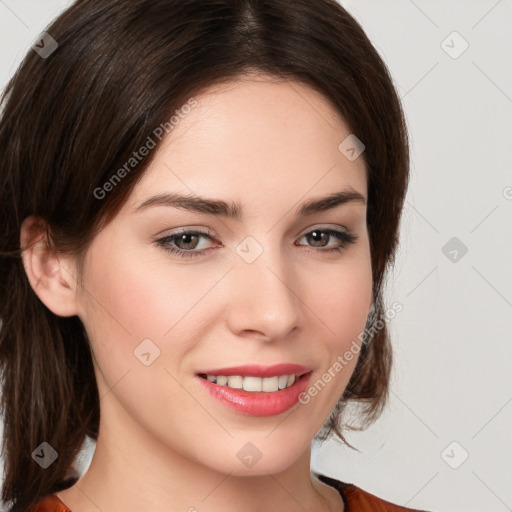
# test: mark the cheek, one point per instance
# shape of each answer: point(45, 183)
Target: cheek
point(344, 299)
point(131, 299)
point(342, 306)
point(337, 297)
point(137, 296)
point(123, 305)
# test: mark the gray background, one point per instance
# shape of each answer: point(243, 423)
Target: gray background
point(443, 443)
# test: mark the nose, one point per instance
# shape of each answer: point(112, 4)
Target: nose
point(264, 297)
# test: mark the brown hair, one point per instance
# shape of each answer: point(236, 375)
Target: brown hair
point(72, 119)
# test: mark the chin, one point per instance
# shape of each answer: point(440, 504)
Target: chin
point(258, 454)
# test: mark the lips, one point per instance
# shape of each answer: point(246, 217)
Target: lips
point(256, 403)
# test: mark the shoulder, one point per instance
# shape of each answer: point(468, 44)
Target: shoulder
point(50, 504)
point(359, 500)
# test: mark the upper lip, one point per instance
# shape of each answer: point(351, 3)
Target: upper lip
point(254, 370)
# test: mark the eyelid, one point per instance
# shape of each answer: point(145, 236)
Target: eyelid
point(212, 234)
point(190, 229)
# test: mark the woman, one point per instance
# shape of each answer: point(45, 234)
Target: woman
point(200, 200)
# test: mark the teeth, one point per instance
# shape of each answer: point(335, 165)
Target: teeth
point(222, 380)
point(235, 382)
point(267, 384)
point(270, 384)
point(252, 383)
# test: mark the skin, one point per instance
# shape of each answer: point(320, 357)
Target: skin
point(164, 444)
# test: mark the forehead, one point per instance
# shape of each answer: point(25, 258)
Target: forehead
point(254, 138)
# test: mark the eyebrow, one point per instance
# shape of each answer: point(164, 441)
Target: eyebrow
point(234, 210)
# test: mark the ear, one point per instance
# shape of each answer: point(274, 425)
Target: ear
point(50, 274)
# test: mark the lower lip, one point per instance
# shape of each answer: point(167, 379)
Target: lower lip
point(258, 403)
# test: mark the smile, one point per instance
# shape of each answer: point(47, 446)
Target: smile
point(256, 390)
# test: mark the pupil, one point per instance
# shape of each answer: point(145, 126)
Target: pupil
point(185, 237)
point(317, 235)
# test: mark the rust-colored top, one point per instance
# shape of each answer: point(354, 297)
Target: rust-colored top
point(359, 500)
point(355, 499)
point(51, 504)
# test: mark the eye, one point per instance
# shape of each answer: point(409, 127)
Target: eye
point(319, 235)
point(185, 243)
point(187, 240)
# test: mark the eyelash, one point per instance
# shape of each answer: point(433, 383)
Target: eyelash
point(346, 238)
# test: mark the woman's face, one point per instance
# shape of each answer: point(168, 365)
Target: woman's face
point(264, 288)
